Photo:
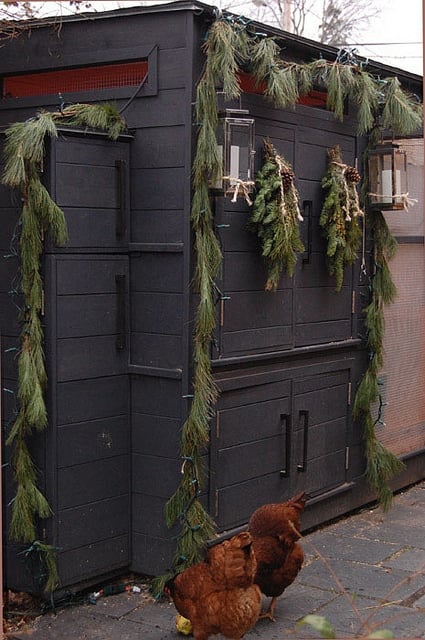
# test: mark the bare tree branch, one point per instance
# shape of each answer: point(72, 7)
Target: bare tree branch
point(343, 19)
point(339, 20)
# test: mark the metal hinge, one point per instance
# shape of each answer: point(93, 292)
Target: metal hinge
point(217, 424)
point(347, 458)
point(353, 302)
point(216, 503)
point(349, 394)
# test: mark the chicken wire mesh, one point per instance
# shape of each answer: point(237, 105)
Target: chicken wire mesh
point(73, 80)
point(402, 427)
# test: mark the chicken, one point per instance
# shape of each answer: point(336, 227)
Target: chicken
point(275, 530)
point(219, 595)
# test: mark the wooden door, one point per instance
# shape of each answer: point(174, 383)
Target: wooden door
point(89, 179)
point(320, 431)
point(250, 447)
point(321, 314)
point(88, 449)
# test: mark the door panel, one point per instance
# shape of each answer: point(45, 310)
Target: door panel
point(250, 451)
point(321, 315)
point(96, 211)
point(87, 461)
point(320, 431)
point(233, 505)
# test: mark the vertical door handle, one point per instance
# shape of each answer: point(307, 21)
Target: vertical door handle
point(286, 422)
point(307, 211)
point(121, 329)
point(120, 222)
point(304, 415)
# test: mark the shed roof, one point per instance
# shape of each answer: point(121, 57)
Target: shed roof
point(298, 46)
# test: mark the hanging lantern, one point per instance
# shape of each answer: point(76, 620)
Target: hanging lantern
point(388, 177)
point(235, 142)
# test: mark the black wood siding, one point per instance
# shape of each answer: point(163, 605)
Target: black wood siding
point(87, 291)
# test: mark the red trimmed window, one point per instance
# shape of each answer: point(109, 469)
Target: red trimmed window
point(73, 80)
point(313, 99)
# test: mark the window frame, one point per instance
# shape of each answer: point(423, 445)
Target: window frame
point(149, 88)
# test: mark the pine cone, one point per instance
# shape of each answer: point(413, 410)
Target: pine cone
point(287, 177)
point(352, 175)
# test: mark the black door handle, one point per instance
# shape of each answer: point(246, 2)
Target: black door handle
point(304, 414)
point(286, 422)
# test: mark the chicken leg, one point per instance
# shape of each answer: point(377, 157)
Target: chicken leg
point(270, 611)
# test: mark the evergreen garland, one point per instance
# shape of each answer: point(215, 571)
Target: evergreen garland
point(24, 152)
point(381, 464)
point(184, 506)
point(275, 216)
point(340, 215)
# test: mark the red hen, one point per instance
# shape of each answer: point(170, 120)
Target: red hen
point(275, 529)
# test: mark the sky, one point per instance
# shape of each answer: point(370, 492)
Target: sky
point(401, 22)
point(394, 38)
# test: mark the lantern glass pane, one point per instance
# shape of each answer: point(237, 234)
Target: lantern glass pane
point(235, 140)
point(239, 152)
point(375, 178)
point(400, 163)
point(386, 178)
point(220, 136)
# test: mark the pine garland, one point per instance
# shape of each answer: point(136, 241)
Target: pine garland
point(340, 215)
point(184, 506)
point(400, 111)
point(275, 216)
point(381, 464)
point(24, 152)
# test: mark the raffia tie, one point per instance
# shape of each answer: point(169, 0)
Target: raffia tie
point(404, 197)
point(241, 186)
point(357, 211)
point(282, 167)
point(346, 208)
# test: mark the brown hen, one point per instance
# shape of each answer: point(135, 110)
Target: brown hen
point(219, 595)
point(275, 530)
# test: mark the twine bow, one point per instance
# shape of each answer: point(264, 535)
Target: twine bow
point(349, 190)
point(239, 186)
point(403, 197)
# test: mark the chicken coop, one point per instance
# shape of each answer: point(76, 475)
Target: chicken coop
point(120, 301)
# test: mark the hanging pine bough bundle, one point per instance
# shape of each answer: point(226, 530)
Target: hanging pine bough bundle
point(340, 215)
point(275, 216)
point(24, 152)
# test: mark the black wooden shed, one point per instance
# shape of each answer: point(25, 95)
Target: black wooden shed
point(119, 304)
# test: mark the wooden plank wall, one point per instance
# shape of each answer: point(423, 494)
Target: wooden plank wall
point(91, 381)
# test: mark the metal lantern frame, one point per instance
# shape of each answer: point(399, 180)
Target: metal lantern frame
point(235, 142)
point(388, 177)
